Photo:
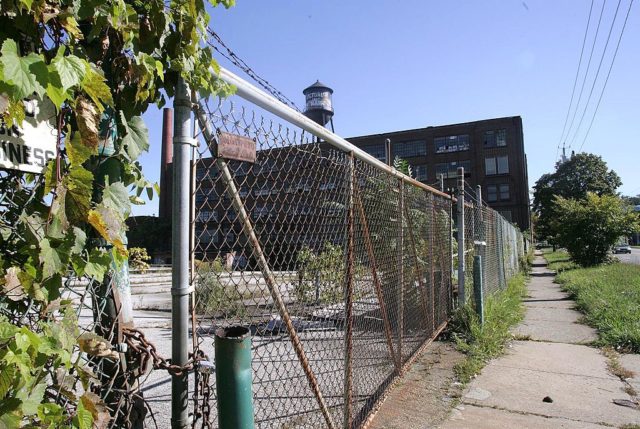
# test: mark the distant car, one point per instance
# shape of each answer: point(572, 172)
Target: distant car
point(622, 248)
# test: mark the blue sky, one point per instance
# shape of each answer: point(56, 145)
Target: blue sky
point(400, 65)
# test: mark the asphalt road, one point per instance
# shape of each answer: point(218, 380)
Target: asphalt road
point(633, 258)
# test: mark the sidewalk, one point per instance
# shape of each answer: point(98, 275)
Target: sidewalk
point(549, 378)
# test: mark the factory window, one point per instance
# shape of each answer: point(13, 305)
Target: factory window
point(420, 172)
point(377, 151)
point(450, 169)
point(504, 192)
point(408, 149)
point(492, 193)
point(497, 138)
point(451, 143)
point(496, 165)
point(506, 214)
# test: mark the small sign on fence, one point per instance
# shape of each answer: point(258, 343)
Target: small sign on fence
point(29, 147)
point(233, 146)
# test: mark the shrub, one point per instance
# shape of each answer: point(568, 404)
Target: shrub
point(138, 259)
point(212, 296)
point(589, 228)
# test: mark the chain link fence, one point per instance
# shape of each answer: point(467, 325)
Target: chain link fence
point(341, 270)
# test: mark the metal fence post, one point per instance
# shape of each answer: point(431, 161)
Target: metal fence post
point(400, 269)
point(233, 377)
point(478, 288)
point(481, 229)
point(461, 255)
point(182, 142)
point(499, 243)
point(348, 336)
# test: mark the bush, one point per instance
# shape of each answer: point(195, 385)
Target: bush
point(589, 228)
point(138, 259)
point(325, 270)
point(212, 296)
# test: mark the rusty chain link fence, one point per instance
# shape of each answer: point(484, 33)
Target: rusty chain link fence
point(342, 271)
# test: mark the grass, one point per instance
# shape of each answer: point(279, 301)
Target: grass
point(609, 295)
point(559, 260)
point(481, 343)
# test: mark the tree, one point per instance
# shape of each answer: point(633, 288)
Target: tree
point(101, 63)
point(591, 226)
point(573, 179)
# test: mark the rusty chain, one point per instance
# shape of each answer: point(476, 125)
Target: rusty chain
point(146, 351)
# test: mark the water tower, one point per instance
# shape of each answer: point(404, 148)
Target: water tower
point(319, 107)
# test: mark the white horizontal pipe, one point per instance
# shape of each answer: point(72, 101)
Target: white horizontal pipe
point(270, 104)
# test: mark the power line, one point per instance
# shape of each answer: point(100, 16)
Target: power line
point(242, 65)
point(608, 74)
point(595, 79)
point(586, 73)
point(575, 81)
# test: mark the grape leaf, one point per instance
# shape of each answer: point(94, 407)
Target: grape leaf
point(115, 196)
point(78, 152)
point(12, 288)
point(110, 225)
point(70, 68)
point(97, 264)
point(50, 259)
point(17, 70)
point(88, 118)
point(79, 184)
point(136, 139)
point(96, 88)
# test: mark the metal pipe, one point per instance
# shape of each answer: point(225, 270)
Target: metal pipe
point(461, 253)
point(400, 251)
point(267, 102)
point(272, 285)
point(180, 290)
point(478, 288)
point(418, 270)
point(376, 280)
point(348, 335)
point(233, 378)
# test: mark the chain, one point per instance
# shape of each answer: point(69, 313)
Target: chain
point(146, 351)
point(202, 408)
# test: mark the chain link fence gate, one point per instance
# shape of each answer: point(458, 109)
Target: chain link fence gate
point(340, 266)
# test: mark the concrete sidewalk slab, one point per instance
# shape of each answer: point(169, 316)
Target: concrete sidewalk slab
point(511, 390)
point(556, 358)
point(632, 363)
point(490, 418)
point(555, 331)
point(554, 303)
point(575, 397)
point(552, 314)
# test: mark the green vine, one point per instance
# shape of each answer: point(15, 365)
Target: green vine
point(101, 63)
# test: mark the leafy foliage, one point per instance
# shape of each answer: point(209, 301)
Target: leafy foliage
point(589, 228)
point(322, 274)
point(581, 174)
point(139, 259)
point(101, 63)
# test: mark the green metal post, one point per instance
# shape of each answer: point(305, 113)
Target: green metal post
point(477, 288)
point(233, 378)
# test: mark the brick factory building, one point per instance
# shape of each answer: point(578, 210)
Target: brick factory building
point(491, 152)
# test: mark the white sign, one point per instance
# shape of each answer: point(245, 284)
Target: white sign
point(29, 147)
